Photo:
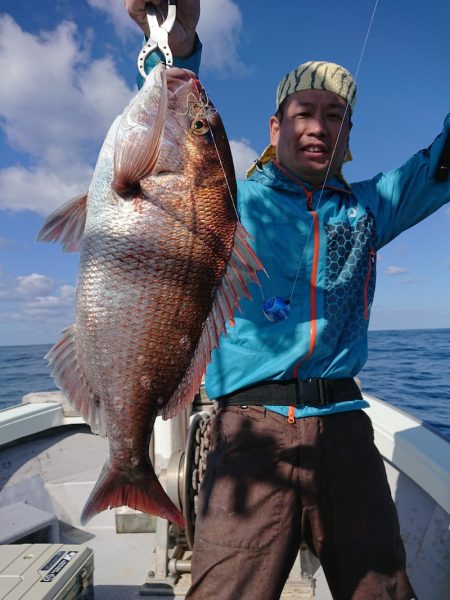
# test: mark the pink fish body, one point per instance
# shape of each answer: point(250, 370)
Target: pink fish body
point(163, 263)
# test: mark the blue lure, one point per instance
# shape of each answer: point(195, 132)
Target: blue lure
point(276, 309)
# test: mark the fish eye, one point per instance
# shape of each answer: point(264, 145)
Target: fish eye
point(199, 126)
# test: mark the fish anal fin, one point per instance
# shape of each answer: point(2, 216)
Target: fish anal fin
point(66, 225)
point(118, 488)
point(242, 268)
point(69, 377)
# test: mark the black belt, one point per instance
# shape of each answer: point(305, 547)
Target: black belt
point(294, 392)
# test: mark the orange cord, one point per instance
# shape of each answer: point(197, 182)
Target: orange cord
point(291, 415)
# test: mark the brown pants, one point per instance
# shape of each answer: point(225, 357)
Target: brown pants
point(268, 484)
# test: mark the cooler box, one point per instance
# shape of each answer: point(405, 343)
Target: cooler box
point(46, 572)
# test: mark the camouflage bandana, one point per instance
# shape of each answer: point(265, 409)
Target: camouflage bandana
point(318, 75)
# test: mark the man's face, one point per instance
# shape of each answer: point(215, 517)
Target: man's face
point(308, 133)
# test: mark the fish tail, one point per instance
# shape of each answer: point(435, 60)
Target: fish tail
point(136, 489)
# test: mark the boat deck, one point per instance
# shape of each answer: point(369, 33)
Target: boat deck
point(113, 574)
point(51, 462)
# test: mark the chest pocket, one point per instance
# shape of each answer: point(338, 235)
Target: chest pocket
point(350, 273)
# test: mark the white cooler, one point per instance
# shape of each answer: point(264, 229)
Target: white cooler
point(46, 572)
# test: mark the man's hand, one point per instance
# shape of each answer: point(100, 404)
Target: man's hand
point(181, 38)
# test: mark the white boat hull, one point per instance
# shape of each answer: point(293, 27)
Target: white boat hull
point(51, 461)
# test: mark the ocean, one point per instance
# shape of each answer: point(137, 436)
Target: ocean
point(408, 368)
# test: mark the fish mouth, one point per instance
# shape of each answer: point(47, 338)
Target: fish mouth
point(178, 74)
point(178, 77)
point(186, 93)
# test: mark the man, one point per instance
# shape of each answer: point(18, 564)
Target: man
point(292, 453)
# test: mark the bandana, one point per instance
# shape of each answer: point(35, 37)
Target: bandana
point(318, 75)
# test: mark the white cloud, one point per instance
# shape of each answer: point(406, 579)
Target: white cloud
point(56, 104)
point(61, 304)
point(32, 285)
point(117, 15)
point(26, 298)
point(41, 189)
point(393, 270)
point(243, 156)
point(219, 28)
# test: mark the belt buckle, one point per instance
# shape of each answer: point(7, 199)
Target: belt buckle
point(306, 392)
point(323, 392)
point(312, 392)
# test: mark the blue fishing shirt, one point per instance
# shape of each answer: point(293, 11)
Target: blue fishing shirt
point(333, 235)
point(325, 334)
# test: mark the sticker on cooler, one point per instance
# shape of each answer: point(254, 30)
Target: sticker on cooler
point(59, 566)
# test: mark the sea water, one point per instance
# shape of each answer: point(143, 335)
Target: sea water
point(407, 368)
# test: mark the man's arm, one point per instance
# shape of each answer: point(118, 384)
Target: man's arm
point(404, 196)
point(182, 36)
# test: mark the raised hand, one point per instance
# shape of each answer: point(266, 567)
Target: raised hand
point(181, 38)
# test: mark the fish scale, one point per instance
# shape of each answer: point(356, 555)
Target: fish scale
point(163, 264)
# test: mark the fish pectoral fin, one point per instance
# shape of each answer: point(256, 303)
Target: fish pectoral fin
point(139, 489)
point(69, 377)
point(242, 268)
point(66, 225)
point(137, 146)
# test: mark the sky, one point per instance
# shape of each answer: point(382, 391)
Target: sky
point(68, 68)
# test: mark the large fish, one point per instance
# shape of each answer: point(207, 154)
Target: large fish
point(164, 261)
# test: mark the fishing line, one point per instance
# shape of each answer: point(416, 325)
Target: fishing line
point(197, 108)
point(277, 309)
point(224, 173)
point(277, 304)
point(202, 109)
point(347, 105)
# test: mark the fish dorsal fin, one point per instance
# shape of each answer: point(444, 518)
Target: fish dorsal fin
point(241, 270)
point(70, 378)
point(66, 225)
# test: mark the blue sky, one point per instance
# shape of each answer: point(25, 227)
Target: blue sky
point(68, 68)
